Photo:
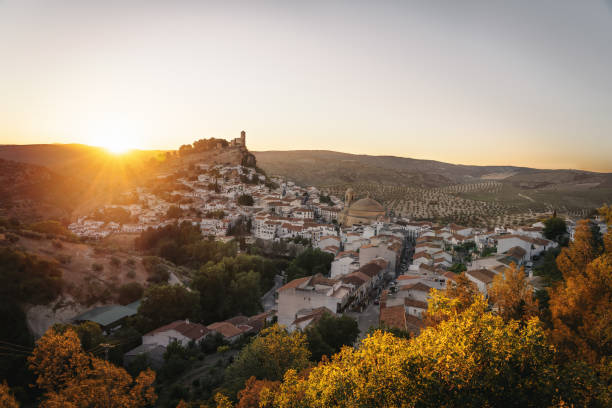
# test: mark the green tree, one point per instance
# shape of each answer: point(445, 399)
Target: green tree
point(245, 199)
point(231, 287)
point(330, 334)
point(268, 357)
point(130, 292)
point(309, 262)
point(164, 304)
point(555, 229)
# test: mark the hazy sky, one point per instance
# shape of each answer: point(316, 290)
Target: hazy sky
point(475, 82)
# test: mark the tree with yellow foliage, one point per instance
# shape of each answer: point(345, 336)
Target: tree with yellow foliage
point(249, 397)
point(268, 357)
point(580, 309)
point(574, 259)
point(223, 401)
point(73, 378)
point(458, 296)
point(7, 400)
point(472, 359)
point(513, 295)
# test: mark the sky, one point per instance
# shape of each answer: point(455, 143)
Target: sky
point(473, 82)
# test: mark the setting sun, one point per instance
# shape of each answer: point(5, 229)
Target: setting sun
point(115, 134)
point(117, 146)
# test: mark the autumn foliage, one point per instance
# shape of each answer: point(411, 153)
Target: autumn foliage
point(580, 305)
point(72, 378)
point(512, 294)
point(7, 400)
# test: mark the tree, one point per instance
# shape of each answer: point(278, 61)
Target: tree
point(309, 262)
point(7, 400)
point(174, 212)
point(72, 378)
point(249, 397)
point(232, 286)
point(458, 268)
point(90, 333)
point(245, 199)
point(330, 334)
point(473, 359)
point(555, 229)
point(575, 258)
point(459, 295)
point(27, 278)
point(164, 304)
point(580, 305)
point(50, 227)
point(130, 292)
point(268, 357)
point(513, 295)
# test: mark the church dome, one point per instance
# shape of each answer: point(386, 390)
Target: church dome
point(367, 205)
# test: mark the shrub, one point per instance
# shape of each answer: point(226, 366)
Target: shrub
point(130, 292)
point(115, 262)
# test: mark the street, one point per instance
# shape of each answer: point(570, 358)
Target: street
point(366, 319)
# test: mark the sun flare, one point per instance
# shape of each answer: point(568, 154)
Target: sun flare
point(115, 135)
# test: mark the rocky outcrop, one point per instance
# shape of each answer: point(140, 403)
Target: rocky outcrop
point(230, 155)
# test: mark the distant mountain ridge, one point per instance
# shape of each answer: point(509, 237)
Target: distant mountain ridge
point(322, 167)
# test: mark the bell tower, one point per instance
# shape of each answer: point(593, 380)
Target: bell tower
point(348, 197)
point(243, 138)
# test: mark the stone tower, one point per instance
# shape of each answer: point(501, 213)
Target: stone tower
point(348, 197)
point(243, 138)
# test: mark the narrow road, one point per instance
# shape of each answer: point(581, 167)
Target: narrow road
point(268, 301)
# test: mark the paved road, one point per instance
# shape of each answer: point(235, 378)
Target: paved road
point(366, 319)
point(268, 301)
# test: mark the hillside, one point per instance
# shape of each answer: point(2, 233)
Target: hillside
point(427, 189)
point(68, 180)
point(28, 191)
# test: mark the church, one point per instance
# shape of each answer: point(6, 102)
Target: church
point(364, 211)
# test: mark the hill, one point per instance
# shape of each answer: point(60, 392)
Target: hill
point(68, 179)
point(30, 192)
point(427, 189)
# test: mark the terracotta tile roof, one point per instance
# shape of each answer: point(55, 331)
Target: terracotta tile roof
point(406, 277)
point(421, 255)
point(421, 287)
point(319, 279)
point(451, 275)
point(226, 329)
point(236, 320)
point(315, 315)
point(347, 253)
point(415, 303)
point(371, 269)
point(294, 283)
point(356, 278)
point(188, 329)
point(394, 316)
point(483, 275)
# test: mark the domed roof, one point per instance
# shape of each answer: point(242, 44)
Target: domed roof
point(367, 204)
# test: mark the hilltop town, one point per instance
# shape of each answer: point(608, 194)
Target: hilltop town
point(188, 270)
point(383, 266)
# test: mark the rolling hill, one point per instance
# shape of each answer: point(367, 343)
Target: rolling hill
point(396, 181)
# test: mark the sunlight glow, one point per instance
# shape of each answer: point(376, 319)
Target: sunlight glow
point(116, 135)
